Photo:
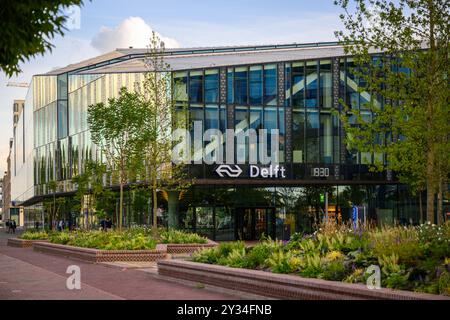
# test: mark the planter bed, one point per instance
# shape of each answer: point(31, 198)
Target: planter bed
point(281, 286)
point(22, 243)
point(189, 248)
point(95, 255)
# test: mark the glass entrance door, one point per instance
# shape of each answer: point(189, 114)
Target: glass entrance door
point(253, 223)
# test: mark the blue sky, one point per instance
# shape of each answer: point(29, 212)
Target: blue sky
point(108, 24)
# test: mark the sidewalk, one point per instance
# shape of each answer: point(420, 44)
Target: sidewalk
point(42, 276)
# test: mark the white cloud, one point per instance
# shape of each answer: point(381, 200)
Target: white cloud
point(132, 32)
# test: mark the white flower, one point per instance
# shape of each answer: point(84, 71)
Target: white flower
point(428, 222)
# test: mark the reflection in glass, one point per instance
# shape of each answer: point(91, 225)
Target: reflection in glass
point(256, 89)
point(270, 84)
point(212, 86)
point(298, 84)
point(196, 86)
point(298, 136)
point(180, 86)
point(241, 85)
point(311, 84)
point(230, 86)
point(224, 224)
point(204, 221)
point(326, 94)
point(312, 136)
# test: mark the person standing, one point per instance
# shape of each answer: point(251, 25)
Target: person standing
point(14, 226)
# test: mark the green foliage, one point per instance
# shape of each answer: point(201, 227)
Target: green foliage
point(406, 88)
point(26, 28)
point(343, 255)
point(176, 236)
point(118, 129)
point(34, 235)
point(105, 240)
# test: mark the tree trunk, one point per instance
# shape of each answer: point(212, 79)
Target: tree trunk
point(120, 205)
point(155, 204)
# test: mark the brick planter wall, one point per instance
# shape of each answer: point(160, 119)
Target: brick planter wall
point(281, 286)
point(22, 243)
point(95, 255)
point(189, 248)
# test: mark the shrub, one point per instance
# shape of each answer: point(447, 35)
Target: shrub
point(258, 255)
point(34, 235)
point(283, 262)
point(177, 236)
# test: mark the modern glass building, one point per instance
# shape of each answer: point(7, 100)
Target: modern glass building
point(293, 88)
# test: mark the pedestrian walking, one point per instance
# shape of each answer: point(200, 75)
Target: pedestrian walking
point(14, 226)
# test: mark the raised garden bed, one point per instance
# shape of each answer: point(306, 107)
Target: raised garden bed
point(96, 255)
point(22, 243)
point(281, 286)
point(189, 248)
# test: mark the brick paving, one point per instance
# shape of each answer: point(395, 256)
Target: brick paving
point(25, 274)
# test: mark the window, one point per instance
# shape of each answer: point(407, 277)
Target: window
point(288, 84)
point(230, 86)
point(241, 126)
point(62, 119)
point(256, 85)
point(352, 95)
point(270, 123)
point(270, 85)
point(326, 137)
point(196, 86)
point(311, 84)
point(241, 85)
point(312, 136)
point(212, 86)
point(298, 135)
point(180, 86)
point(326, 88)
point(298, 84)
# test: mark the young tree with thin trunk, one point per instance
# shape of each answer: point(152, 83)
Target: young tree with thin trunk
point(117, 128)
point(163, 118)
point(401, 58)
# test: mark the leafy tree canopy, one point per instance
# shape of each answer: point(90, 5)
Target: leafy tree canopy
point(26, 28)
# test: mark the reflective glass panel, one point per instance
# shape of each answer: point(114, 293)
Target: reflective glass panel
point(255, 79)
point(211, 85)
point(241, 85)
point(298, 84)
point(270, 84)
point(196, 86)
point(180, 86)
point(326, 89)
point(311, 84)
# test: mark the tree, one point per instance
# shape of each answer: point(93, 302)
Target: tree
point(401, 58)
point(26, 28)
point(117, 129)
point(164, 116)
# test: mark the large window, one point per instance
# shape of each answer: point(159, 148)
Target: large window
point(270, 84)
point(211, 86)
point(256, 85)
point(312, 136)
point(230, 86)
point(298, 136)
point(62, 119)
point(241, 85)
point(196, 86)
point(241, 126)
point(298, 84)
point(270, 123)
point(180, 86)
point(326, 88)
point(311, 84)
point(288, 84)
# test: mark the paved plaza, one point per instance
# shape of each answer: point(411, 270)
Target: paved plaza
point(25, 274)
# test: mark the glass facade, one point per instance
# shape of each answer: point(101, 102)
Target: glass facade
point(295, 97)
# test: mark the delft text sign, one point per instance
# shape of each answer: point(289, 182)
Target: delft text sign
point(263, 172)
